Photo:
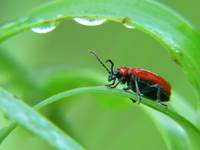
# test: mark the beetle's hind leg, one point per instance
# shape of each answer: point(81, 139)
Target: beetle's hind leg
point(163, 104)
point(158, 93)
point(157, 86)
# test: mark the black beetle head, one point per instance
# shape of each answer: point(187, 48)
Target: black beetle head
point(113, 75)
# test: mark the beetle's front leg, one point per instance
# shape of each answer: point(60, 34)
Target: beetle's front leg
point(115, 85)
point(111, 84)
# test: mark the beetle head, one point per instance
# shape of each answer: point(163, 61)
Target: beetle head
point(112, 75)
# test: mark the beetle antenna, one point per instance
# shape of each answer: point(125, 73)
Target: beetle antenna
point(112, 64)
point(101, 62)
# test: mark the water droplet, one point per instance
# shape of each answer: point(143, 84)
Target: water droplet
point(90, 21)
point(127, 23)
point(43, 29)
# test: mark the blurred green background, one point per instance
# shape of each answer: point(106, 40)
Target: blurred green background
point(96, 121)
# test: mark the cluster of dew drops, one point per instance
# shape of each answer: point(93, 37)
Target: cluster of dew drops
point(81, 20)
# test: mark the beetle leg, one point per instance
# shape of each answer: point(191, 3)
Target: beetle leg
point(111, 84)
point(120, 81)
point(114, 86)
point(126, 89)
point(137, 90)
point(133, 100)
point(158, 94)
point(158, 91)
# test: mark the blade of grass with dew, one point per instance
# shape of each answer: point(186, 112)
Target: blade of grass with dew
point(34, 122)
point(179, 36)
point(181, 39)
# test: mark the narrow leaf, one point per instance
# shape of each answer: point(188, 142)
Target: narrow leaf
point(180, 37)
point(35, 123)
point(171, 123)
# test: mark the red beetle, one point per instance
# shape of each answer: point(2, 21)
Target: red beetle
point(143, 82)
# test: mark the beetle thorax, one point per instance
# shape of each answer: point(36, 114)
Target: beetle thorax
point(124, 71)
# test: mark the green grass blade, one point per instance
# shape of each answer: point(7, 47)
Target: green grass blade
point(173, 132)
point(54, 81)
point(181, 39)
point(35, 123)
point(191, 134)
point(167, 119)
point(5, 131)
point(172, 125)
point(104, 90)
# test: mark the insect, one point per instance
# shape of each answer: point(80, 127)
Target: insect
point(141, 81)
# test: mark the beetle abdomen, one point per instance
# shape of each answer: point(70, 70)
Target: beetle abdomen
point(150, 92)
point(147, 75)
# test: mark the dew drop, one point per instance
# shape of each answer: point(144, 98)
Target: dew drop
point(89, 21)
point(128, 25)
point(126, 22)
point(43, 29)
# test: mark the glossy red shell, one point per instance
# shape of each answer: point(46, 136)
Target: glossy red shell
point(124, 71)
point(146, 75)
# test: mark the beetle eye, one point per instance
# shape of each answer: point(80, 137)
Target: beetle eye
point(117, 74)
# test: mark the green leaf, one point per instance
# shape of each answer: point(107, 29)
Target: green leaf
point(177, 35)
point(5, 131)
point(34, 122)
point(180, 37)
point(174, 127)
point(174, 132)
point(54, 81)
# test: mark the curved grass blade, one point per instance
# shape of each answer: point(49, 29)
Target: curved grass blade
point(171, 30)
point(35, 123)
point(170, 128)
point(172, 125)
point(54, 81)
point(167, 111)
point(5, 131)
point(182, 40)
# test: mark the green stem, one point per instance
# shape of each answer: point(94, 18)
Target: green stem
point(104, 90)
